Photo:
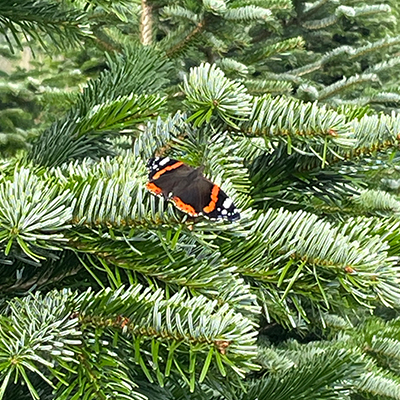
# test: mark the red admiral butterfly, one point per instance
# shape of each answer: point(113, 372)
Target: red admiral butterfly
point(188, 189)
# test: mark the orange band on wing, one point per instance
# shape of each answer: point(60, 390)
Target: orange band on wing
point(214, 199)
point(187, 208)
point(169, 168)
point(153, 188)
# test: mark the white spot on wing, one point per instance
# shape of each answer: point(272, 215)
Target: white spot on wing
point(224, 212)
point(227, 203)
point(166, 160)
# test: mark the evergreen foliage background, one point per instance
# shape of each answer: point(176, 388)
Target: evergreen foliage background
point(109, 292)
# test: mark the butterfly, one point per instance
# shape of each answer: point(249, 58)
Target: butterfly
point(189, 190)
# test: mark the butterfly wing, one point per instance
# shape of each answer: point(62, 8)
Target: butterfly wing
point(189, 190)
point(205, 198)
point(165, 174)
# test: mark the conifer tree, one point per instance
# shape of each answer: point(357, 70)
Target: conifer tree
point(111, 292)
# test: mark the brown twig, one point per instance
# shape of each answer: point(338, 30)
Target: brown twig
point(199, 27)
point(146, 24)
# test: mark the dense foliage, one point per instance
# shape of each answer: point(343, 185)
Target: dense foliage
point(110, 292)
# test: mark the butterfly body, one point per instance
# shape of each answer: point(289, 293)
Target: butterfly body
point(189, 190)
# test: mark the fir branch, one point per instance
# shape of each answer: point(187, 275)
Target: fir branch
point(377, 202)
point(305, 127)
point(209, 93)
point(38, 337)
point(320, 23)
point(230, 66)
point(64, 27)
point(296, 181)
point(119, 198)
point(216, 44)
point(100, 373)
point(181, 325)
point(138, 70)
point(344, 11)
point(216, 7)
point(185, 39)
point(275, 5)
point(268, 50)
point(326, 58)
point(122, 9)
point(31, 214)
point(63, 142)
point(286, 77)
point(383, 66)
point(381, 98)
point(108, 104)
point(375, 133)
point(157, 136)
point(362, 228)
point(308, 92)
point(379, 384)
point(123, 112)
point(259, 87)
point(377, 46)
point(286, 248)
point(385, 347)
point(176, 11)
point(345, 84)
point(311, 8)
point(317, 375)
point(247, 13)
point(363, 11)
